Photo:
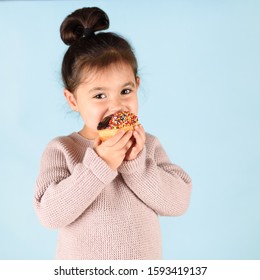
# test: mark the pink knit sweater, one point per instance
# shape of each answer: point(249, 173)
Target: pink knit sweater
point(106, 214)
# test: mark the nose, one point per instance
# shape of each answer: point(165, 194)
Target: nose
point(116, 105)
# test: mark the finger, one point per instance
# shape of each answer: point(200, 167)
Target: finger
point(97, 142)
point(132, 153)
point(114, 139)
point(129, 144)
point(140, 130)
point(124, 140)
point(139, 137)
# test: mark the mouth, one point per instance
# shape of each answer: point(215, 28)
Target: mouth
point(104, 123)
point(118, 120)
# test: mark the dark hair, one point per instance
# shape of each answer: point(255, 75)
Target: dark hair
point(89, 51)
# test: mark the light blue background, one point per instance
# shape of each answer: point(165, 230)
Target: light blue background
point(200, 94)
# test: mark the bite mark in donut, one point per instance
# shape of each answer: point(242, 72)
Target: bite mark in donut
point(111, 124)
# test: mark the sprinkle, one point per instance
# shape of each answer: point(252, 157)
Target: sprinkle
point(122, 119)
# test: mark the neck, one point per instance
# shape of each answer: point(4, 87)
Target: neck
point(87, 133)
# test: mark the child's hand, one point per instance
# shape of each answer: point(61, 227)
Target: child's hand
point(138, 144)
point(113, 150)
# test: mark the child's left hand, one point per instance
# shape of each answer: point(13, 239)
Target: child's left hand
point(138, 145)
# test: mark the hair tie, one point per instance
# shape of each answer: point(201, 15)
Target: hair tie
point(88, 32)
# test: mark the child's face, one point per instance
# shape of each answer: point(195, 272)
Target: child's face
point(104, 93)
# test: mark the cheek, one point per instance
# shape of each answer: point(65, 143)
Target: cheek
point(92, 115)
point(134, 106)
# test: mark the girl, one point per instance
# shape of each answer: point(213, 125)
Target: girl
point(105, 197)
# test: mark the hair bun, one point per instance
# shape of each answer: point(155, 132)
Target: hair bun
point(73, 26)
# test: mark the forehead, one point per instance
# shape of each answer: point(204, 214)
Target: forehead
point(117, 72)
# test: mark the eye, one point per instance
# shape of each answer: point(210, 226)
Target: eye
point(126, 91)
point(100, 96)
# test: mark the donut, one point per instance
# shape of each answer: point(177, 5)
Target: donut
point(111, 124)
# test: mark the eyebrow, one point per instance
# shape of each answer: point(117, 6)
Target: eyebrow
point(97, 89)
point(129, 84)
point(104, 88)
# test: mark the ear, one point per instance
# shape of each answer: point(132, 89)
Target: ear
point(71, 99)
point(137, 81)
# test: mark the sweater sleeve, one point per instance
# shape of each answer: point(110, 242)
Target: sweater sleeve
point(62, 196)
point(160, 184)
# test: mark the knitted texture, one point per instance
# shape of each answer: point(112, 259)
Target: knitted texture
point(105, 214)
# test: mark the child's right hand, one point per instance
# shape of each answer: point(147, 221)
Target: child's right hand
point(113, 150)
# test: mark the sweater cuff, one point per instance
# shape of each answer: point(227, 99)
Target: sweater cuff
point(99, 167)
point(134, 166)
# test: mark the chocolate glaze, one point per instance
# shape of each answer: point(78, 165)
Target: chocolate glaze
point(104, 123)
